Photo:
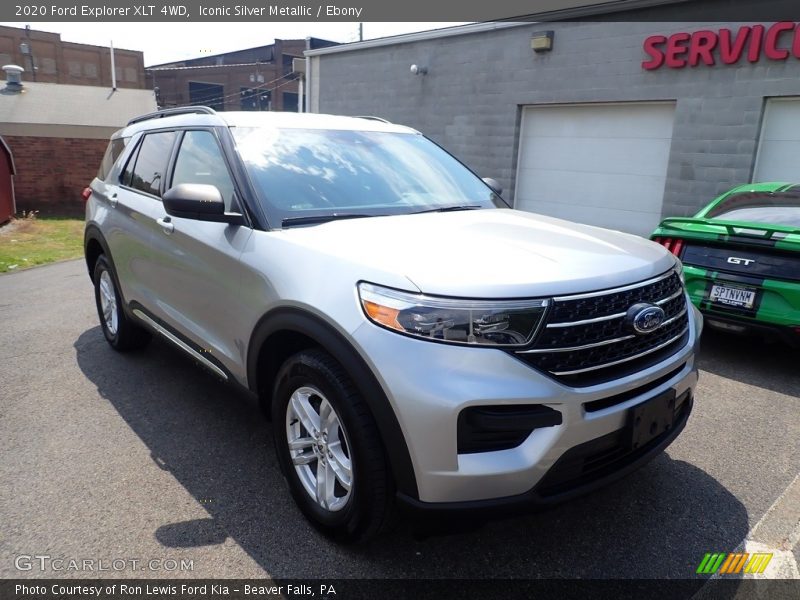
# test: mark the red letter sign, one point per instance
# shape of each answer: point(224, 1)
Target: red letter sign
point(703, 42)
point(771, 49)
point(654, 52)
point(676, 49)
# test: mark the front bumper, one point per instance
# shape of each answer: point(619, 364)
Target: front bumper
point(428, 384)
point(567, 478)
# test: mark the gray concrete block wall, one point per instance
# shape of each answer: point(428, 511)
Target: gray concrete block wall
point(471, 98)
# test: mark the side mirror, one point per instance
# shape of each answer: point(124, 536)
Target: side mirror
point(200, 202)
point(494, 184)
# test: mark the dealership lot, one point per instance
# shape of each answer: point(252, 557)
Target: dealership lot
point(145, 457)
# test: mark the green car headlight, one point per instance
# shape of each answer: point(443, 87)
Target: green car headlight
point(453, 320)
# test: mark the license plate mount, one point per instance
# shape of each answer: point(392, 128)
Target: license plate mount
point(728, 295)
point(650, 419)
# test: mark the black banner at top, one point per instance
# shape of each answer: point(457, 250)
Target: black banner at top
point(31, 11)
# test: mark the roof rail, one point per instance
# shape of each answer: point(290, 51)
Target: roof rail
point(170, 112)
point(371, 118)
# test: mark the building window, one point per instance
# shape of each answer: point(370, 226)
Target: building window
point(287, 64)
point(290, 101)
point(90, 70)
point(255, 99)
point(207, 94)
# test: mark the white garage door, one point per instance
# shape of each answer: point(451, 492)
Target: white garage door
point(601, 164)
point(779, 150)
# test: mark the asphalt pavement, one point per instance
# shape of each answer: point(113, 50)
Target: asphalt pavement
point(145, 456)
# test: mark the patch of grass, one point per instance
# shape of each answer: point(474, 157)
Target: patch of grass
point(30, 241)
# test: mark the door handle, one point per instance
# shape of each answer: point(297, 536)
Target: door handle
point(113, 200)
point(166, 224)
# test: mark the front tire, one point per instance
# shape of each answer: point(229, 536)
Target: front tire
point(328, 448)
point(121, 333)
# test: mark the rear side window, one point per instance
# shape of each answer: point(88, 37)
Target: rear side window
point(113, 151)
point(150, 163)
point(200, 160)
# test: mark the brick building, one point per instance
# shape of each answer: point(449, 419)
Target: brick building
point(251, 79)
point(58, 134)
point(58, 124)
point(617, 124)
point(48, 59)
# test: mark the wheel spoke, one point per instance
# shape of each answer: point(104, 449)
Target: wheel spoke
point(326, 417)
point(301, 443)
point(304, 459)
point(305, 412)
point(324, 485)
point(341, 465)
point(104, 290)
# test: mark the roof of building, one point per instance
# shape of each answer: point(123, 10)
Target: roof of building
point(95, 111)
point(219, 59)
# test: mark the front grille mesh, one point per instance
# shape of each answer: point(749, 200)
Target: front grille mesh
point(581, 353)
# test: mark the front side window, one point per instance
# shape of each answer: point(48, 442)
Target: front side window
point(200, 160)
point(151, 162)
point(309, 173)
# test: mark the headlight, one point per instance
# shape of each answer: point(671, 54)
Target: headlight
point(679, 269)
point(457, 321)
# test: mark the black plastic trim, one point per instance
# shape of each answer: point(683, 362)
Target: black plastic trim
point(609, 401)
point(532, 499)
point(244, 186)
point(491, 428)
point(313, 327)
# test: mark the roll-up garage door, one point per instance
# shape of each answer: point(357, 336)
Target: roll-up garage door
point(779, 149)
point(600, 164)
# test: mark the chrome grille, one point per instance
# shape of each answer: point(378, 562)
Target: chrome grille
point(585, 339)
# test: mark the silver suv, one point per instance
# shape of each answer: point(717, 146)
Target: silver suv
point(412, 338)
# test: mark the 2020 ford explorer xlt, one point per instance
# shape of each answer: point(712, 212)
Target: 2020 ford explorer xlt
point(412, 337)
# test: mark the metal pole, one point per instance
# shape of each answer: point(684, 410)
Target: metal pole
point(113, 69)
point(300, 94)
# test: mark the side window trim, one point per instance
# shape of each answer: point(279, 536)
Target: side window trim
point(248, 202)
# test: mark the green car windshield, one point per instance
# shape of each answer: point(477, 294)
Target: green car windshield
point(781, 208)
point(302, 174)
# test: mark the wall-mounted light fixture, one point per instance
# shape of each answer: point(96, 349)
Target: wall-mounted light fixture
point(542, 41)
point(417, 70)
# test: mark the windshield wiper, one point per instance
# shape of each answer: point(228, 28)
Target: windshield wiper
point(448, 208)
point(316, 219)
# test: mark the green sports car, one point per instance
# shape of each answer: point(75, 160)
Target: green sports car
point(741, 257)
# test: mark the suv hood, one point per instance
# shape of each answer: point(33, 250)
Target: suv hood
point(492, 253)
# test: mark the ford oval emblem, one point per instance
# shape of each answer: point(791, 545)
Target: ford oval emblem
point(644, 317)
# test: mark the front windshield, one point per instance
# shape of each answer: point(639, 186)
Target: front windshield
point(318, 173)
